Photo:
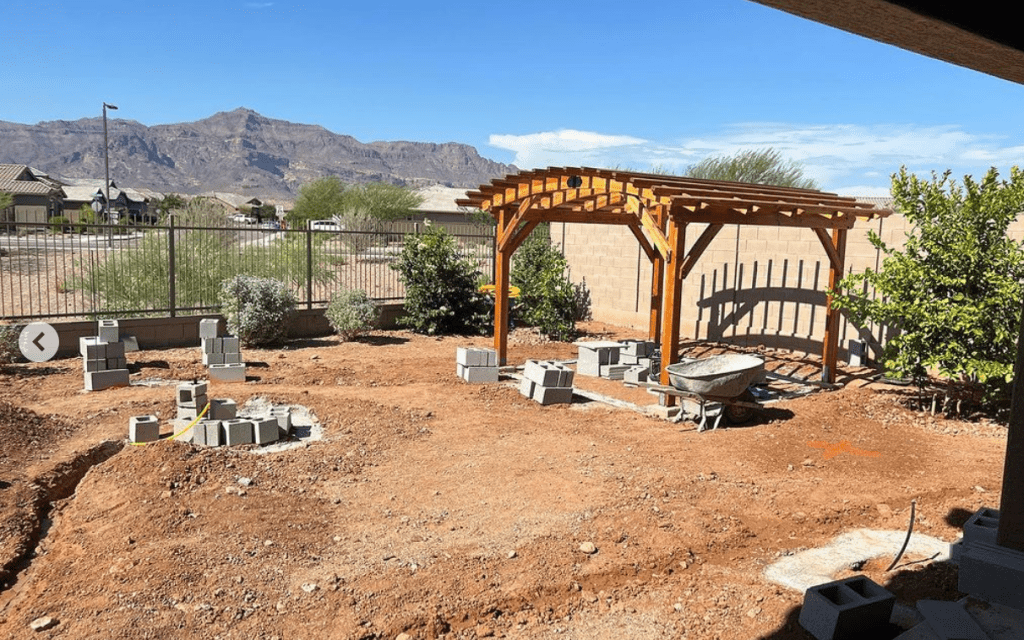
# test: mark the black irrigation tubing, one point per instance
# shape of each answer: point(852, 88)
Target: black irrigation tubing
point(910, 530)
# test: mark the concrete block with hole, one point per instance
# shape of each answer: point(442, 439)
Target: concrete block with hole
point(982, 526)
point(222, 409)
point(543, 373)
point(99, 380)
point(614, 371)
point(283, 415)
point(85, 342)
point(208, 328)
point(189, 392)
point(237, 431)
point(636, 374)
point(207, 433)
point(108, 331)
point(848, 609)
point(95, 351)
point(143, 429)
point(265, 430)
point(227, 372)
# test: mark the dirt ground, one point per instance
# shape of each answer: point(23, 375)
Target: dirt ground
point(439, 509)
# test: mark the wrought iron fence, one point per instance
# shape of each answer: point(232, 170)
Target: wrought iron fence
point(87, 271)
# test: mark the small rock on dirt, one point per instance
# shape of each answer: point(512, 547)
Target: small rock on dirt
point(511, 554)
point(309, 587)
point(43, 623)
point(808, 462)
point(403, 636)
point(245, 482)
point(588, 548)
point(484, 632)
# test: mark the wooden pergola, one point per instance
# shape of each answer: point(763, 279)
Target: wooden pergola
point(658, 209)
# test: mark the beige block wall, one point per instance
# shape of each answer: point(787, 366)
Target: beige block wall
point(752, 286)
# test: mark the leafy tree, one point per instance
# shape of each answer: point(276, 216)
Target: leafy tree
point(547, 299)
point(441, 294)
point(318, 200)
point(756, 166)
point(359, 206)
point(168, 203)
point(6, 200)
point(954, 292)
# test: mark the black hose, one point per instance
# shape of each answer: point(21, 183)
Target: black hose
point(910, 530)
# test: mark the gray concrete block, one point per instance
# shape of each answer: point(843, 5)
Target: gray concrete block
point(84, 342)
point(96, 351)
point(227, 372)
point(588, 363)
point(237, 431)
point(232, 358)
point(552, 395)
point(208, 327)
point(625, 358)
point(222, 409)
point(476, 357)
point(209, 345)
point(526, 387)
point(108, 331)
point(950, 621)
point(847, 609)
point(143, 429)
point(230, 344)
point(188, 392)
point(95, 365)
point(213, 358)
point(117, 363)
point(636, 374)
point(543, 373)
point(480, 375)
point(115, 349)
point(614, 371)
point(188, 413)
point(265, 430)
point(131, 343)
point(283, 415)
point(207, 433)
point(565, 376)
point(993, 573)
point(982, 526)
point(99, 380)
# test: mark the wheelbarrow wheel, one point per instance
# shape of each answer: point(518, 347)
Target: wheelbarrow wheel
point(738, 414)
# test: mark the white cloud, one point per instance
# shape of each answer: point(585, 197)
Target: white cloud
point(840, 157)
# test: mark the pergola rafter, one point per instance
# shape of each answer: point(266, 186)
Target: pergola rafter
point(657, 209)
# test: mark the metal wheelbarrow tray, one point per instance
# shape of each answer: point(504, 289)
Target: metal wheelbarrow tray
point(719, 379)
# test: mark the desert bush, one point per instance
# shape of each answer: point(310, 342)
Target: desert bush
point(59, 224)
point(441, 295)
point(548, 300)
point(351, 313)
point(9, 351)
point(257, 310)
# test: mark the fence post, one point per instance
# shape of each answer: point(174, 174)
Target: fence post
point(170, 267)
point(309, 268)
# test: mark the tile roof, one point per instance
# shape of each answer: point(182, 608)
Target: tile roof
point(19, 180)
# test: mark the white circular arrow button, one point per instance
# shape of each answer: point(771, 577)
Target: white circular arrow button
point(38, 342)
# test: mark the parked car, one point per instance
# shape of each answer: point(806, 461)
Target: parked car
point(324, 225)
point(270, 224)
point(241, 218)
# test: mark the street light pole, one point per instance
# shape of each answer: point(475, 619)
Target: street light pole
point(106, 156)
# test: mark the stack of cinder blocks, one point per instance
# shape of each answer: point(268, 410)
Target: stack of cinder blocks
point(222, 355)
point(638, 355)
point(104, 361)
point(476, 365)
point(599, 358)
point(547, 382)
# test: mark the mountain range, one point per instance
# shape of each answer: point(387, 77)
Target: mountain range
point(237, 151)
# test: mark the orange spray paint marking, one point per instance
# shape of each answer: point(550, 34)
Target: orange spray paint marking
point(843, 446)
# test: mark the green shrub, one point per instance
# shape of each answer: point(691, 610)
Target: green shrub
point(9, 350)
point(351, 313)
point(258, 310)
point(953, 292)
point(441, 295)
point(59, 224)
point(548, 300)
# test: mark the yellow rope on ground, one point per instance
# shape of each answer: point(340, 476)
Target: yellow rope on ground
point(191, 424)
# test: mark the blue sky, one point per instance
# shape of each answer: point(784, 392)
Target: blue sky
point(632, 85)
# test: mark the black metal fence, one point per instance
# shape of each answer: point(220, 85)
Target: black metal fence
point(86, 271)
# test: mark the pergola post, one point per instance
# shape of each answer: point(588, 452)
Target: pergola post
point(836, 250)
point(657, 287)
point(1010, 532)
point(501, 281)
point(673, 299)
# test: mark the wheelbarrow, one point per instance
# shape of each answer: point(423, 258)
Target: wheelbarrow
point(719, 380)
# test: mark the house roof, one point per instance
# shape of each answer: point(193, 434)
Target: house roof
point(19, 180)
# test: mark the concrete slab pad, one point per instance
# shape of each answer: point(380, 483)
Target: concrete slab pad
point(950, 621)
point(805, 569)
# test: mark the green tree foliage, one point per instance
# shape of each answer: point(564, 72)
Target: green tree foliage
point(954, 291)
point(170, 202)
point(441, 294)
point(6, 200)
point(358, 206)
point(548, 300)
point(756, 166)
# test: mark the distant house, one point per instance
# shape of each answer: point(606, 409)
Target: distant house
point(130, 204)
point(234, 203)
point(36, 197)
